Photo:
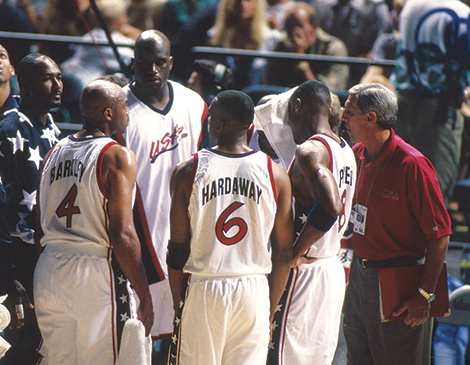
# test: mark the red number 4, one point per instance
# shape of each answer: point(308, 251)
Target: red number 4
point(67, 208)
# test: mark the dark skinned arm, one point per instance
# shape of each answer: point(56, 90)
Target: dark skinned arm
point(314, 160)
point(180, 185)
point(281, 239)
point(119, 175)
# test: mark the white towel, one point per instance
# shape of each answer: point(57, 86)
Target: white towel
point(136, 349)
point(271, 118)
point(5, 319)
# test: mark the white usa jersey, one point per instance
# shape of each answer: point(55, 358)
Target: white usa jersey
point(343, 168)
point(232, 208)
point(72, 199)
point(160, 139)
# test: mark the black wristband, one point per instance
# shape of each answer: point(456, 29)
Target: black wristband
point(177, 255)
point(320, 219)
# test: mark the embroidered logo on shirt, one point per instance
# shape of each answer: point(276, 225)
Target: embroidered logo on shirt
point(388, 194)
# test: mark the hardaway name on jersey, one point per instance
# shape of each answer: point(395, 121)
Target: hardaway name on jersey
point(343, 168)
point(160, 140)
point(232, 208)
point(72, 198)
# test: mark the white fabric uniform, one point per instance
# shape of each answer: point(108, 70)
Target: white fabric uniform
point(311, 318)
point(160, 140)
point(74, 281)
point(225, 318)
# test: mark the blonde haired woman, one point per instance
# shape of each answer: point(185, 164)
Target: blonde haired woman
point(242, 24)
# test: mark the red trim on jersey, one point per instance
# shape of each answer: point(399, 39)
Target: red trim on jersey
point(99, 163)
point(250, 132)
point(120, 139)
point(204, 114)
point(113, 307)
point(193, 175)
point(322, 140)
point(148, 238)
point(286, 314)
point(38, 232)
point(271, 177)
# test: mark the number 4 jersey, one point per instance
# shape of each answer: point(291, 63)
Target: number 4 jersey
point(72, 197)
point(232, 207)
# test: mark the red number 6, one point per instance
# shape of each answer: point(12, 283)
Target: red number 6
point(223, 225)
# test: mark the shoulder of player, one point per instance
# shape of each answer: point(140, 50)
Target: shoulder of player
point(181, 91)
point(119, 157)
point(184, 169)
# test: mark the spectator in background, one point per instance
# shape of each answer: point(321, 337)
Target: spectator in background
point(7, 70)
point(276, 11)
point(431, 73)
point(242, 24)
point(357, 23)
point(26, 136)
point(89, 63)
point(175, 13)
point(13, 19)
point(304, 36)
point(385, 48)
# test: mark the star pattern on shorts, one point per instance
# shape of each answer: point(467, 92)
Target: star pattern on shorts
point(274, 325)
point(28, 199)
point(123, 298)
point(177, 321)
point(121, 279)
point(174, 338)
point(271, 346)
point(303, 218)
point(124, 317)
point(278, 308)
point(35, 156)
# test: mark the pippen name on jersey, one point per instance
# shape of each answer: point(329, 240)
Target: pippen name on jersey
point(346, 176)
point(231, 185)
point(67, 168)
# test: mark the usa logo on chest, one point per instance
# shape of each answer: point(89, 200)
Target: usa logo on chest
point(167, 143)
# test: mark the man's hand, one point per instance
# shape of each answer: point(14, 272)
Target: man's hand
point(17, 299)
point(301, 260)
point(145, 315)
point(299, 41)
point(418, 310)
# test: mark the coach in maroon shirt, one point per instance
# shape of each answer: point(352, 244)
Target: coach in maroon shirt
point(399, 219)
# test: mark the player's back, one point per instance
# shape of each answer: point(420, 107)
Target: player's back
point(72, 197)
point(232, 208)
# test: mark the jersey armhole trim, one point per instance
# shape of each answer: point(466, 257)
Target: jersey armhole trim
point(271, 177)
point(99, 164)
point(322, 140)
point(203, 118)
point(193, 174)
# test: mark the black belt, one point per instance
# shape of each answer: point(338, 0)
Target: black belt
point(393, 262)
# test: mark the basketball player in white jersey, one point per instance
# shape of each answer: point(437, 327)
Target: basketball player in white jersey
point(323, 176)
point(165, 128)
point(85, 199)
point(227, 203)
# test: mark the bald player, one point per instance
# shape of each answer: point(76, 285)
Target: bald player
point(85, 213)
point(165, 128)
point(227, 202)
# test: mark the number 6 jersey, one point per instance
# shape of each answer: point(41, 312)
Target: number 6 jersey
point(231, 208)
point(72, 198)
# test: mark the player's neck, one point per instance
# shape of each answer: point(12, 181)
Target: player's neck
point(157, 98)
point(234, 148)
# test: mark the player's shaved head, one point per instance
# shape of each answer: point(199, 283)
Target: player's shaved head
point(149, 40)
point(99, 95)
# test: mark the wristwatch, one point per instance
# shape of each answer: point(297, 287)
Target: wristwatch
point(428, 296)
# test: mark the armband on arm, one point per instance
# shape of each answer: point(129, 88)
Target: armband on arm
point(177, 255)
point(320, 219)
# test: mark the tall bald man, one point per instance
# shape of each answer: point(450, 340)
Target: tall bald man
point(165, 128)
point(85, 200)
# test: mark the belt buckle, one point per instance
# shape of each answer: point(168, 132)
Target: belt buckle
point(363, 263)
